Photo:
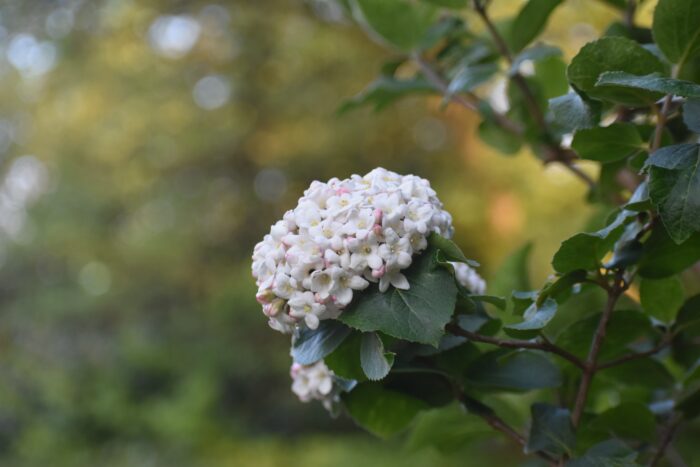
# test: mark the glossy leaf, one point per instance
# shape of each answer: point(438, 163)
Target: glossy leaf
point(418, 314)
point(508, 370)
point(662, 257)
point(661, 298)
point(381, 411)
point(535, 317)
point(375, 362)
point(345, 360)
point(469, 77)
point(311, 345)
point(608, 144)
point(691, 115)
point(654, 82)
point(676, 30)
point(614, 54)
point(629, 420)
point(572, 113)
point(551, 430)
point(449, 249)
point(674, 188)
point(611, 453)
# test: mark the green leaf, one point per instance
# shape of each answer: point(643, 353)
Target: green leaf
point(653, 82)
point(676, 29)
point(345, 360)
point(504, 141)
point(608, 144)
point(401, 23)
point(674, 188)
point(456, 4)
point(561, 287)
point(375, 362)
point(418, 314)
point(691, 115)
point(661, 298)
point(509, 370)
point(534, 53)
point(529, 23)
point(550, 74)
point(498, 302)
point(624, 328)
point(611, 453)
point(662, 257)
point(385, 91)
point(535, 318)
point(551, 430)
point(381, 411)
point(585, 250)
point(450, 250)
point(448, 429)
point(689, 403)
point(572, 113)
point(311, 345)
point(512, 274)
point(469, 77)
point(629, 420)
point(614, 54)
point(642, 372)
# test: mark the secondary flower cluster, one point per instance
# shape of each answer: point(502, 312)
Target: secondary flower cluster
point(314, 382)
point(342, 235)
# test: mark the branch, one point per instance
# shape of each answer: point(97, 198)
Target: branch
point(467, 100)
point(647, 353)
point(589, 371)
point(545, 346)
point(666, 440)
point(557, 154)
point(497, 423)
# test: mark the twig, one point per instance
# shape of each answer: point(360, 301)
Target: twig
point(497, 423)
point(557, 153)
point(627, 358)
point(589, 371)
point(666, 440)
point(545, 346)
point(660, 122)
point(467, 99)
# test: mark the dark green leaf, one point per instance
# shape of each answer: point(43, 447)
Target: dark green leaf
point(571, 112)
point(624, 328)
point(550, 74)
point(311, 345)
point(530, 22)
point(375, 362)
point(535, 318)
point(381, 411)
point(401, 23)
point(674, 188)
point(614, 54)
point(611, 453)
point(448, 429)
point(345, 360)
point(608, 144)
point(498, 302)
point(513, 371)
point(689, 402)
point(642, 372)
point(662, 257)
point(385, 91)
point(640, 200)
point(418, 314)
point(691, 115)
point(551, 430)
point(560, 288)
point(450, 250)
point(653, 82)
point(661, 298)
point(676, 29)
point(629, 420)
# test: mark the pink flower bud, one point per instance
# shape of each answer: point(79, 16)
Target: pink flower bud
point(378, 216)
point(377, 229)
point(377, 273)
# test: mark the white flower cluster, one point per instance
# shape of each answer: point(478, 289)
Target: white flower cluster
point(469, 278)
point(342, 235)
point(313, 382)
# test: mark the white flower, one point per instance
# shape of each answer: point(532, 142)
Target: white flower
point(304, 305)
point(342, 235)
point(312, 382)
point(469, 278)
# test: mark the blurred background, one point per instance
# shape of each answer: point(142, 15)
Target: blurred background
point(145, 147)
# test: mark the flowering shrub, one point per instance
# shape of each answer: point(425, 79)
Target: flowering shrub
point(391, 324)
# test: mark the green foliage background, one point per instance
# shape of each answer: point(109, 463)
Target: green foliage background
point(129, 333)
